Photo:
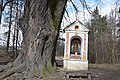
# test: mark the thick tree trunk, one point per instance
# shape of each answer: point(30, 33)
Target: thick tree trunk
point(42, 21)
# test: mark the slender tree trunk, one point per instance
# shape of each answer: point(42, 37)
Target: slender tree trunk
point(17, 34)
point(102, 51)
point(113, 46)
point(14, 41)
point(95, 47)
point(10, 23)
point(1, 6)
point(17, 29)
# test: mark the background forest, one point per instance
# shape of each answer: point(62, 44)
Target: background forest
point(104, 41)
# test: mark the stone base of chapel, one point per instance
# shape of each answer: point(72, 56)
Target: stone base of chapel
point(75, 64)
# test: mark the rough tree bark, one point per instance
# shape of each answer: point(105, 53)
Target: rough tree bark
point(42, 21)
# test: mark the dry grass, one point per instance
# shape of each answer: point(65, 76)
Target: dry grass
point(5, 56)
point(109, 67)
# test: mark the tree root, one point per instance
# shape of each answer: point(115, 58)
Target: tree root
point(13, 70)
point(9, 65)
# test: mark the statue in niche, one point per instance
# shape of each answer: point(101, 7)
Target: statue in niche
point(75, 46)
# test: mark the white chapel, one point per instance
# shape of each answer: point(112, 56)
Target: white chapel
point(76, 46)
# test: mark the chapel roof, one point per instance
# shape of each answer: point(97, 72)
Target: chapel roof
point(73, 23)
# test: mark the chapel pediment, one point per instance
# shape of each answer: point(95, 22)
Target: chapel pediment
point(76, 25)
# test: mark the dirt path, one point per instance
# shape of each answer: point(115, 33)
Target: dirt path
point(106, 71)
point(109, 75)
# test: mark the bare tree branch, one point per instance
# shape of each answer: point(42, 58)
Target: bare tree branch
point(66, 19)
point(74, 5)
point(86, 6)
point(99, 2)
point(68, 15)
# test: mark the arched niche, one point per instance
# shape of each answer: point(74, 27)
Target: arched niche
point(75, 47)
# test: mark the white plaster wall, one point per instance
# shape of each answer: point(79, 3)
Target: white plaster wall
point(75, 64)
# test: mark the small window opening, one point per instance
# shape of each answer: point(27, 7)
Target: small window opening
point(76, 27)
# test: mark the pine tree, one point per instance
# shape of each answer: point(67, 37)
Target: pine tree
point(98, 29)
